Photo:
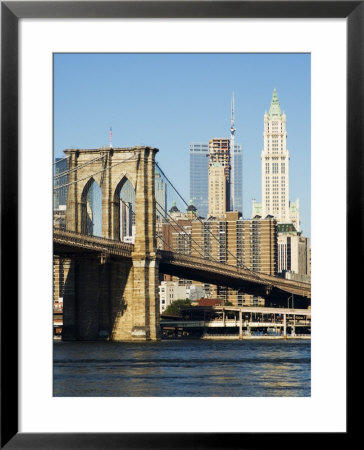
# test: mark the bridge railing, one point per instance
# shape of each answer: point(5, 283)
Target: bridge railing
point(234, 271)
point(92, 242)
point(195, 261)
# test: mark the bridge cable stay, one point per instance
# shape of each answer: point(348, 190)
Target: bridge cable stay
point(159, 237)
point(60, 160)
point(181, 231)
point(253, 272)
point(183, 234)
point(166, 244)
point(178, 231)
point(96, 173)
point(81, 166)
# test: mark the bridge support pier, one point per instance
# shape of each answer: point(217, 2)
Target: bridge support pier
point(106, 298)
point(140, 305)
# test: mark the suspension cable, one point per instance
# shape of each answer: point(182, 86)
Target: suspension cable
point(96, 173)
point(66, 157)
point(66, 172)
point(166, 244)
point(183, 235)
point(160, 237)
point(161, 210)
point(182, 229)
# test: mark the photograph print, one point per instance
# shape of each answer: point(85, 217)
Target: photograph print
point(181, 225)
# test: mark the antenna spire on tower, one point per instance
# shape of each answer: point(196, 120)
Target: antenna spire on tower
point(232, 125)
point(232, 156)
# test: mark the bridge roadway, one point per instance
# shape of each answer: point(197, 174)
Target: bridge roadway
point(188, 267)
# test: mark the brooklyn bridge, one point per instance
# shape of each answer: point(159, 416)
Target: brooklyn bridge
point(110, 287)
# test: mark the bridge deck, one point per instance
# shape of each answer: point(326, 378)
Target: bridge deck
point(186, 266)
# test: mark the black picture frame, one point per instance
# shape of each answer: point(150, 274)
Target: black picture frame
point(11, 12)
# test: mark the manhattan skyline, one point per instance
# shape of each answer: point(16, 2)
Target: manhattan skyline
point(171, 100)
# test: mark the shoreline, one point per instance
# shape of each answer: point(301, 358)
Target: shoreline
point(214, 338)
point(248, 338)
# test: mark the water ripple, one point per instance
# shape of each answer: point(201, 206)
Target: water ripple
point(177, 368)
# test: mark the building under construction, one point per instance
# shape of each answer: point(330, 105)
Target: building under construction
point(219, 156)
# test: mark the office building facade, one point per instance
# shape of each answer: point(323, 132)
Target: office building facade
point(199, 173)
point(219, 168)
point(60, 183)
point(275, 170)
point(245, 243)
point(275, 164)
point(169, 292)
point(217, 191)
point(294, 254)
point(236, 189)
point(199, 186)
point(160, 197)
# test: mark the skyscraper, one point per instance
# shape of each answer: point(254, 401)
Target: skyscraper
point(237, 183)
point(219, 152)
point(199, 187)
point(160, 197)
point(60, 182)
point(275, 164)
point(127, 212)
point(294, 253)
point(219, 176)
point(217, 190)
point(275, 170)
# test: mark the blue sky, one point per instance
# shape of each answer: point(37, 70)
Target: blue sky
point(170, 100)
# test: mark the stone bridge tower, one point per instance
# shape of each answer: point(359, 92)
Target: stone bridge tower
point(106, 297)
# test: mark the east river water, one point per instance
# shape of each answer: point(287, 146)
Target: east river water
point(183, 368)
